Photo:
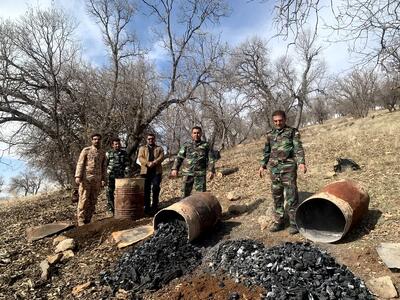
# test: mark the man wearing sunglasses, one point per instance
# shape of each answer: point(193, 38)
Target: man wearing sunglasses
point(150, 157)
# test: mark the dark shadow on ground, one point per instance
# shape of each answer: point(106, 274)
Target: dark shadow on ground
point(235, 210)
point(216, 234)
point(367, 224)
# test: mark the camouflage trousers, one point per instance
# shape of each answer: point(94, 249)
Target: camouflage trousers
point(111, 192)
point(198, 182)
point(88, 193)
point(283, 186)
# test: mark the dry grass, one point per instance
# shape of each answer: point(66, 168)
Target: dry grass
point(372, 142)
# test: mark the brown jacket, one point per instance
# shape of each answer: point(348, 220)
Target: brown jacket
point(91, 164)
point(144, 158)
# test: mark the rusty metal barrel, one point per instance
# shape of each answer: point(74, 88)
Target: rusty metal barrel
point(129, 198)
point(329, 214)
point(200, 211)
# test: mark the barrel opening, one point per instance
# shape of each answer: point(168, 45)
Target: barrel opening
point(320, 220)
point(165, 216)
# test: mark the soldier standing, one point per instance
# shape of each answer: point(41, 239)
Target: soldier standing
point(283, 152)
point(197, 156)
point(90, 175)
point(117, 167)
point(150, 157)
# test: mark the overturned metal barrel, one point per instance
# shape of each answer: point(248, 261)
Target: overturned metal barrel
point(129, 198)
point(200, 211)
point(328, 215)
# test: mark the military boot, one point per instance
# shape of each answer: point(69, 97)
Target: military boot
point(277, 227)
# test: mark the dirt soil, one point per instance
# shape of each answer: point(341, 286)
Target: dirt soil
point(374, 143)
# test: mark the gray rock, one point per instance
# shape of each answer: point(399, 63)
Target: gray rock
point(382, 287)
point(45, 267)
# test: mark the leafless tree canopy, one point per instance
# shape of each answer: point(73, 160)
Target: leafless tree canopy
point(371, 27)
point(28, 182)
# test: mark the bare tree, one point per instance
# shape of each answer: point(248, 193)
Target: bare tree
point(252, 74)
point(299, 87)
point(319, 109)
point(27, 182)
point(389, 93)
point(1, 183)
point(36, 53)
point(355, 93)
point(191, 52)
point(371, 27)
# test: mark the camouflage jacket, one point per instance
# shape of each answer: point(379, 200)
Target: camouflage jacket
point(117, 163)
point(195, 157)
point(91, 164)
point(283, 150)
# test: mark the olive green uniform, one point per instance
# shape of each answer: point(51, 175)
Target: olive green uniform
point(196, 158)
point(283, 152)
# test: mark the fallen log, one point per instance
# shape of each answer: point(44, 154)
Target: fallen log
point(227, 171)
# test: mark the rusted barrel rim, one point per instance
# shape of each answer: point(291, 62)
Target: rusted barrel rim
point(189, 210)
point(326, 237)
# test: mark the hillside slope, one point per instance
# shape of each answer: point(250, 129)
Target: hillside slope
point(373, 142)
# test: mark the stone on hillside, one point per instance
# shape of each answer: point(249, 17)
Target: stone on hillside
point(233, 196)
point(390, 254)
point(59, 239)
point(45, 267)
point(53, 259)
point(264, 222)
point(4, 253)
point(68, 244)
point(237, 209)
point(67, 255)
point(39, 232)
point(329, 175)
point(382, 287)
point(80, 288)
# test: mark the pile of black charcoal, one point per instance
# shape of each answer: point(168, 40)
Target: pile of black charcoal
point(149, 266)
point(289, 271)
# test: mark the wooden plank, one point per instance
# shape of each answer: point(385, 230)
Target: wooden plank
point(131, 236)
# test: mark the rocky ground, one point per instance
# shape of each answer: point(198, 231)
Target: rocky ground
point(373, 142)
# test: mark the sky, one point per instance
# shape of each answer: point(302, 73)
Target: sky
point(247, 19)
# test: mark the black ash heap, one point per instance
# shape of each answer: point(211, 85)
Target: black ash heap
point(151, 265)
point(289, 271)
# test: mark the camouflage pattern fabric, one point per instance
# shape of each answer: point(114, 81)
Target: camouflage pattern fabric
point(195, 157)
point(284, 184)
point(198, 182)
point(117, 167)
point(283, 151)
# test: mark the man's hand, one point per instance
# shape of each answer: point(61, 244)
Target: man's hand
point(103, 183)
point(78, 181)
point(174, 173)
point(303, 168)
point(211, 175)
point(261, 171)
point(150, 164)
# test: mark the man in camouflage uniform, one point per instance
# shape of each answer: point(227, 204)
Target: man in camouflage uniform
point(150, 157)
point(197, 157)
point(117, 167)
point(90, 176)
point(283, 152)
